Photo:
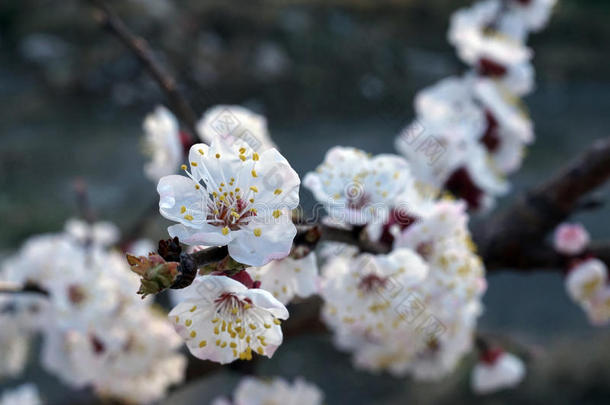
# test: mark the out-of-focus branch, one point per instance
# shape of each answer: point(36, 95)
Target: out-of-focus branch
point(10, 288)
point(109, 20)
point(514, 238)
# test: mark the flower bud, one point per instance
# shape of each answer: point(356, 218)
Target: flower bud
point(156, 274)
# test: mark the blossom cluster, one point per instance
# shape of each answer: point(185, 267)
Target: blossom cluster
point(471, 131)
point(587, 276)
point(413, 310)
point(96, 331)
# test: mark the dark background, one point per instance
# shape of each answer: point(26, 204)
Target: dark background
point(324, 72)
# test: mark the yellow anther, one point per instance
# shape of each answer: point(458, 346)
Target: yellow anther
point(188, 322)
point(252, 200)
point(193, 333)
point(203, 343)
point(182, 209)
point(266, 325)
point(200, 151)
point(260, 350)
point(277, 213)
point(216, 330)
point(233, 345)
point(234, 311)
point(237, 190)
point(235, 214)
point(242, 150)
point(242, 157)
point(177, 319)
point(193, 163)
point(255, 156)
point(257, 232)
point(254, 188)
point(224, 326)
point(197, 186)
point(253, 210)
point(254, 173)
point(183, 167)
point(225, 230)
point(194, 308)
point(223, 345)
point(277, 322)
point(218, 342)
point(188, 217)
point(218, 156)
point(252, 326)
point(215, 320)
point(277, 191)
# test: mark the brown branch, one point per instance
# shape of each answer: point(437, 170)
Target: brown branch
point(110, 21)
point(514, 238)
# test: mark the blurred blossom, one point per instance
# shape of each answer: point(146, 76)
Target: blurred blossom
point(96, 331)
point(288, 278)
point(162, 143)
point(496, 370)
point(259, 391)
point(233, 122)
point(26, 394)
point(570, 239)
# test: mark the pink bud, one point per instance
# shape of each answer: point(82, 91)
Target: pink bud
point(570, 239)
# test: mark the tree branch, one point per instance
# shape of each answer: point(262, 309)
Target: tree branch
point(515, 237)
point(110, 21)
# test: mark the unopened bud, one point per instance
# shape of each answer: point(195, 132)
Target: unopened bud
point(156, 274)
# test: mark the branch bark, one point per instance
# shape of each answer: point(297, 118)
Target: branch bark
point(515, 237)
point(110, 21)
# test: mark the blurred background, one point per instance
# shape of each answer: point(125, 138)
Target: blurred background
point(324, 72)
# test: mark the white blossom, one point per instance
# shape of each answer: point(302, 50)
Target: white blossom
point(598, 307)
point(570, 239)
point(99, 233)
point(162, 142)
point(222, 320)
point(444, 144)
point(233, 196)
point(258, 391)
point(500, 371)
point(96, 330)
point(233, 122)
point(585, 279)
point(473, 33)
point(26, 394)
point(288, 278)
point(355, 188)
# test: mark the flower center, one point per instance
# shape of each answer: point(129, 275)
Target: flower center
point(372, 282)
point(239, 325)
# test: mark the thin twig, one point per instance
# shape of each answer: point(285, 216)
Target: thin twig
point(109, 20)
